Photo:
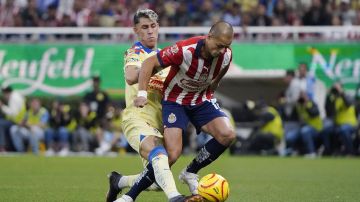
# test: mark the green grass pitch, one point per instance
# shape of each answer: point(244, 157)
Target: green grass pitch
point(252, 179)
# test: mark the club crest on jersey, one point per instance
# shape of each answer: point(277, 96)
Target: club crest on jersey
point(174, 49)
point(172, 118)
point(203, 76)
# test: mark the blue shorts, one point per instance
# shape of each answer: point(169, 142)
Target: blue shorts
point(177, 116)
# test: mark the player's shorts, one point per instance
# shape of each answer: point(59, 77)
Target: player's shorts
point(135, 130)
point(178, 116)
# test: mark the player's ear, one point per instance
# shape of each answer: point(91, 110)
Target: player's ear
point(210, 36)
point(135, 29)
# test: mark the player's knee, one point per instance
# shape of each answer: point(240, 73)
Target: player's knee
point(226, 136)
point(159, 150)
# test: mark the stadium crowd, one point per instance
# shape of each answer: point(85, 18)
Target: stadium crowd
point(110, 13)
point(294, 124)
point(291, 125)
point(91, 124)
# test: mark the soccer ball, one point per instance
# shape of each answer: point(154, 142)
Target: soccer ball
point(214, 188)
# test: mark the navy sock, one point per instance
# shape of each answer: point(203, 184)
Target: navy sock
point(209, 153)
point(145, 179)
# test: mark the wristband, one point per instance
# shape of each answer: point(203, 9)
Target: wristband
point(142, 93)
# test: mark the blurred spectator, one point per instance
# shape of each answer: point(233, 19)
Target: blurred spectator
point(14, 109)
point(311, 130)
point(316, 15)
point(49, 18)
point(268, 135)
point(7, 13)
point(107, 13)
point(97, 99)
point(86, 126)
point(247, 5)
point(270, 5)
point(182, 15)
point(344, 117)
point(31, 129)
point(66, 21)
point(261, 19)
point(65, 8)
point(80, 13)
point(357, 19)
point(347, 15)
point(291, 95)
point(307, 80)
point(43, 5)
point(112, 137)
point(207, 14)
point(281, 12)
point(31, 15)
point(61, 123)
point(232, 14)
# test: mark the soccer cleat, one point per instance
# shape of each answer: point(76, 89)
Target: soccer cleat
point(192, 198)
point(191, 179)
point(114, 190)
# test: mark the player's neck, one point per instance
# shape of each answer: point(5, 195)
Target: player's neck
point(204, 54)
point(149, 47)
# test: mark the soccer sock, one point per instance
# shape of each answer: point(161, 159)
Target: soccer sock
point(127, 181)
point(209, 153)
point(162, 172)
point(145, 179)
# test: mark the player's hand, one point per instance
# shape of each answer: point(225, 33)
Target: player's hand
point(213, 86)
point(140, 101)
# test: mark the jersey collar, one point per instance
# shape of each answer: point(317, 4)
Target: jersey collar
point(147, 50)
point(199, 45)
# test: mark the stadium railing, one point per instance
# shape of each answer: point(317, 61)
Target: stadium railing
point(281, 33)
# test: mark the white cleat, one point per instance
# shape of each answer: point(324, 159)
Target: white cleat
point(124, 198)
point(191, 179)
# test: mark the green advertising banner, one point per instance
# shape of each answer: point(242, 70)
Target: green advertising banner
point(66, 69)
point(61, 70)
point(330, 61)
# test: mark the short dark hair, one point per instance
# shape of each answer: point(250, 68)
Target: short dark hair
point(304, 64)
point(6, 89)
point(290, 73)
point(96, 78)
point(145, 13)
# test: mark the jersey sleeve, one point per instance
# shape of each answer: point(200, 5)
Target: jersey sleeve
point(227, 58)
point(132, 58)
point(171, 55)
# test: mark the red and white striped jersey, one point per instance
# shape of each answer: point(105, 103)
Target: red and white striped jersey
point(190, 75)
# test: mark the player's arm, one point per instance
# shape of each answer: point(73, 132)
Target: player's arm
point(223, 71)
point(132, 66)
point(169, 56)
point(148, 68)
point(132, 74)
point(215, 83)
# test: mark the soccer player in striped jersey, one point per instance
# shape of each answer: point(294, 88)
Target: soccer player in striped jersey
point(197, 66)
point(143, 127)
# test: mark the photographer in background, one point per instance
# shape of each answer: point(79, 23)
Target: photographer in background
point(311, 130)
point(342, 109)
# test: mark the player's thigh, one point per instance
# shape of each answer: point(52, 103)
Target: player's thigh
point(208, 117)
point(175, 121)
point(218, 127)
point(137, 131)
